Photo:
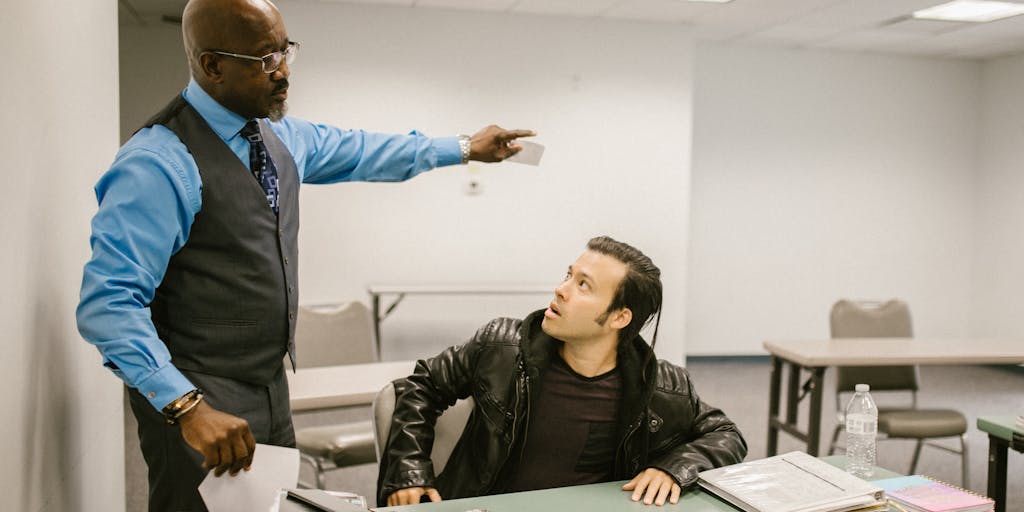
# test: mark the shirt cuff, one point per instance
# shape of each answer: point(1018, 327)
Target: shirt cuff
point(164, 386)
point(448, 152)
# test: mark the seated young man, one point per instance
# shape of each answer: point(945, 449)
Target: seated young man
point(569, 395)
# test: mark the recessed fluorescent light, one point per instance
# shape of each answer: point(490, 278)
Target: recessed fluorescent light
point(977, 11)
point(711, 1)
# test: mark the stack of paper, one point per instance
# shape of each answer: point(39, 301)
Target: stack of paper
point(792, 482)
point(922, 494)
point(273, 468)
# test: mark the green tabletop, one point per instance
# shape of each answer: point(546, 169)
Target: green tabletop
point(1002, 427)
point(608, 496)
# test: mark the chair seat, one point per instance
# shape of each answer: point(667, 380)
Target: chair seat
point(922, 423)
point(347, 444)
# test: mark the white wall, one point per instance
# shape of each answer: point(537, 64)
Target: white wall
point(61, 452)
point(822, 175)
point(611, 100)
point(153, 70)
point(999, 226)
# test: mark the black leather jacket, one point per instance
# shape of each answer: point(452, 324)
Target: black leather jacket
point(663, 423)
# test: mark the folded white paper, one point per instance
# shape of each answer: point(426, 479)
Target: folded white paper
point(273, 468)
point(529, 155)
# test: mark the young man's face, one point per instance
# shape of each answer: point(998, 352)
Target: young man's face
point(583, 297)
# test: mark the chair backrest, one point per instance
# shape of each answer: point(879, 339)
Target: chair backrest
point(334, 334)
point(447, 431)
point(872, 319)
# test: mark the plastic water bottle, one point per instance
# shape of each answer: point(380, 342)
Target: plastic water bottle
point(861, 425)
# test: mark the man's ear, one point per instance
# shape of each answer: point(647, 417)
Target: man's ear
point(620, 319)
point(210, 64)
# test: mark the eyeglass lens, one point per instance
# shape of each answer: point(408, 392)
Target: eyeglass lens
point(272, 62)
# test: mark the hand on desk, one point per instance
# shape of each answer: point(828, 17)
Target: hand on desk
point(224, 440)
point(412, 495)
point(658, 485)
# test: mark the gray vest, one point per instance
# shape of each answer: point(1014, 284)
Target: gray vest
point(228, 302)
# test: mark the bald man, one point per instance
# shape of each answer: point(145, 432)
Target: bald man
point(190, 294)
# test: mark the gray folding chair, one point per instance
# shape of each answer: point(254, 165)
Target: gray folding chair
point(329, 336)
point(447, 431)
point(891, 319)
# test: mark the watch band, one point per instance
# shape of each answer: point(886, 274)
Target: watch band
point(464, 147)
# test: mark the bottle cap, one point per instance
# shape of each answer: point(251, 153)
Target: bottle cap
point(862, 388)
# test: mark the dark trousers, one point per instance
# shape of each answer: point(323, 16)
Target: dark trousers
point(174, 467)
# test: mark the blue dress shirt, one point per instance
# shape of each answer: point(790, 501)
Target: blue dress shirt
point(150, 196)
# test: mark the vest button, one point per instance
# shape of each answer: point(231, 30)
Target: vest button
point(291, 316)
point(286, 260)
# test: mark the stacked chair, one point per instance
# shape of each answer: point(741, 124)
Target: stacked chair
point(329, 336)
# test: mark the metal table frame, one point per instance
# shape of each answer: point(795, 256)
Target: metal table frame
point(401, 291)
point(815, 356)
point(1003, 434)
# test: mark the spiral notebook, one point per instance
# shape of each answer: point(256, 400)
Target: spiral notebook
point(918, 493)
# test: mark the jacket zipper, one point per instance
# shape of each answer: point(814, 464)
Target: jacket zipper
point(520, 385)
point(526, 416)
point(622, 444)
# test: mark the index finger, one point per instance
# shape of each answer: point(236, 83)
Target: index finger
point(663, 489)
point(641, 486)
point(250, 446)
point(508, 135)
point(240, 454)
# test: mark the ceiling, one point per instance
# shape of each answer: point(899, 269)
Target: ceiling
point(879, 26)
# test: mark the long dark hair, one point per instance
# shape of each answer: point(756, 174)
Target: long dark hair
point(640, 290)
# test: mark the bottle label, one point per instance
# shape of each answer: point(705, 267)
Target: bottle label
point(861, 424)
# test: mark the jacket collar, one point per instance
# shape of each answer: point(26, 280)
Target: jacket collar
point(635, 361)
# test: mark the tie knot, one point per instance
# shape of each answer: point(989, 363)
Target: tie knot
point(251, 131)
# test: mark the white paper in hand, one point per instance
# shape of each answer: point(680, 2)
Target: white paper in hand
point(529, 155)
point(273, 468)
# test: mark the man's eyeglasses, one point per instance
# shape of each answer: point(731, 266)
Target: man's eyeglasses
point(271, 61)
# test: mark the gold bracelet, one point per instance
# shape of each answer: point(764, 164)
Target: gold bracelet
point(189, 407)
point(181, 405)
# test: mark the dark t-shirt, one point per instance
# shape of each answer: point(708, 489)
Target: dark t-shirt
point(571, 436)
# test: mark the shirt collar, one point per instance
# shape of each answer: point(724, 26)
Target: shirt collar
point(225, 123)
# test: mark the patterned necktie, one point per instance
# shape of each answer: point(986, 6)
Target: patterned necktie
point(262, 166)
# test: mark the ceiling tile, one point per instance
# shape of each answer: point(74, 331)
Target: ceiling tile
point(1009, 28)
point(923, 26)
point(857, 14)
point(871, 40)
point(792, 34)
point(746, 17)
point(860, 25)
point(661, 10)
point(565, 7)
point(406, 3)
point(474, 5)
point(924, 46)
